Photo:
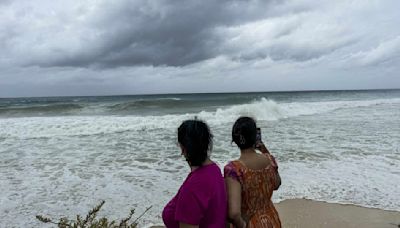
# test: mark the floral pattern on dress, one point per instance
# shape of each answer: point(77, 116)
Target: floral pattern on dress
point(257, 188)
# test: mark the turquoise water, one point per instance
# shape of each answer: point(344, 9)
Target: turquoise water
point(62, 155)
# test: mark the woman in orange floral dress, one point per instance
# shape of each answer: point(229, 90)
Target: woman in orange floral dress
point(251, 179)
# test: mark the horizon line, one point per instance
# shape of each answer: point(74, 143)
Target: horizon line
point(240, 92)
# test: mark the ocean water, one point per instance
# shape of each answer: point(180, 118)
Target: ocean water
point(62, 155)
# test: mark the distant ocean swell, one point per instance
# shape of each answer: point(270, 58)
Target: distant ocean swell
point(262, 109)
point(75, 107)
point(40, 109)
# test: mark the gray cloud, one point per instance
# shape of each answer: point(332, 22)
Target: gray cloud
point(174, 33)
point(139, 46)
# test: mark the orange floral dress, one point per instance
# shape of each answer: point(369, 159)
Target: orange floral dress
point(257, 188)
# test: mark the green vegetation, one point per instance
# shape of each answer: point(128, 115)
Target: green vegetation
point(90, 220)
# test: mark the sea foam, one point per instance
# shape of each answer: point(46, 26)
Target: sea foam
point(337, 151)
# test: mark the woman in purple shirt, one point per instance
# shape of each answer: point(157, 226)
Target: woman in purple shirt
point(201, 200)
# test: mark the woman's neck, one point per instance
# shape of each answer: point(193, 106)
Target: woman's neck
point(247, 151)
point(206, 162)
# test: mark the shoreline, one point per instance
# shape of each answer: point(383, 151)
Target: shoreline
point(304, 213)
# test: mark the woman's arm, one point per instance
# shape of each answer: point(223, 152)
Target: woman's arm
point(234, 201)
point(261, 146)
point(278, 181)
point(264, 150)
point(184, 225)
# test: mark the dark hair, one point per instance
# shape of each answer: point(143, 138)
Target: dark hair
point(196, 138)
point(244, 132)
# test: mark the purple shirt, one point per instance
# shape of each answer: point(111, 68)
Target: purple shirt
point(201, 200)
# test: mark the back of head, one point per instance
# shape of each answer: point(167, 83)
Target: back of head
point(196, 138)
point(244, 132)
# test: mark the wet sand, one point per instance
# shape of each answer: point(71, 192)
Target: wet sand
point(301, 213)
point(308, 213)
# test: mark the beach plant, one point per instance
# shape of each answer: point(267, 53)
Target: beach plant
point(91, 220)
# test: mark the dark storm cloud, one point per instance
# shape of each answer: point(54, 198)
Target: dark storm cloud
point(125, 47)
point(170, 32)
point(109, 34)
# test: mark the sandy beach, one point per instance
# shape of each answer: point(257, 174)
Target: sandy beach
point(308, 213)
point(301, 213)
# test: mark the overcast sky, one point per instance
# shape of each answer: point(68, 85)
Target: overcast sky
point(102, 47)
